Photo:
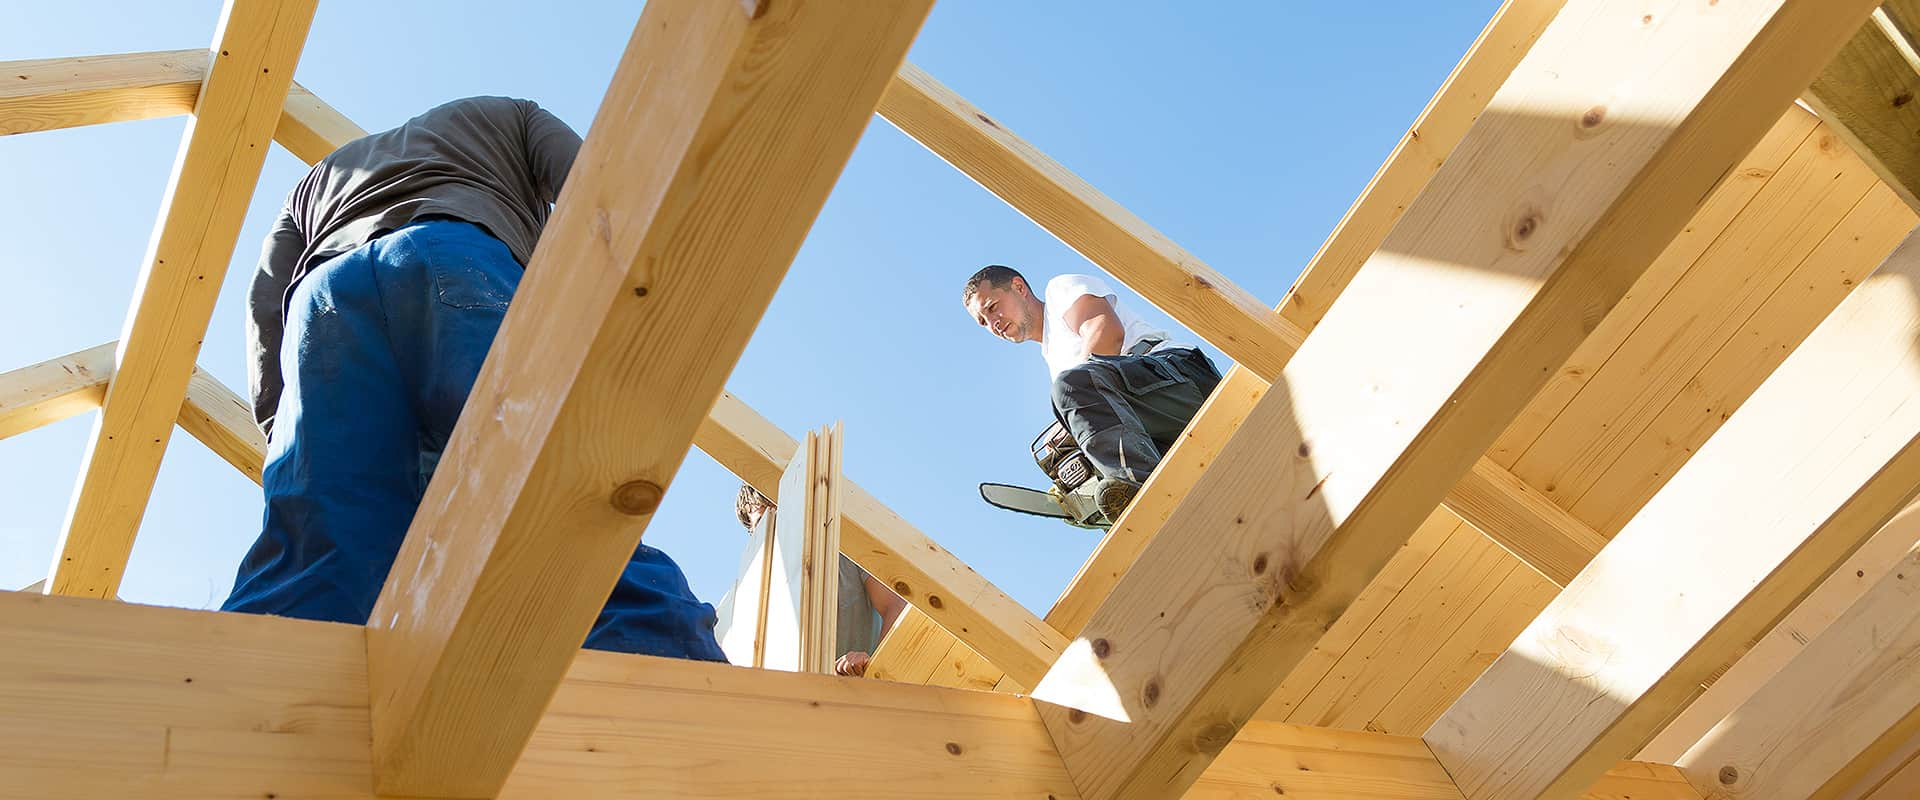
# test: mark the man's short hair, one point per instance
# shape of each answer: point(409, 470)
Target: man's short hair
point(994, 275)
point(744, 503)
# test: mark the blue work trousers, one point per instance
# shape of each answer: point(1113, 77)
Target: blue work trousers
point(382, 346)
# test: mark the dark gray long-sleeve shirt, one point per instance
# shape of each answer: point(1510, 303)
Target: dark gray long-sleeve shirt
point(492, 161)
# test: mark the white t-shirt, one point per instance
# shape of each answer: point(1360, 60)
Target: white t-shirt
point(1062, 346)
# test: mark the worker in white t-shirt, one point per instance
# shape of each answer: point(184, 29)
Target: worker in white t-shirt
point(1120, 386)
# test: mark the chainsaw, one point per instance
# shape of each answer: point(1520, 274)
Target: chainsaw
point(1070, 498)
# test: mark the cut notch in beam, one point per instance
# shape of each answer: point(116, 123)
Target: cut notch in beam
point(1866, 95)
point(212, 183)
point(697, 191)
point(1371, 421)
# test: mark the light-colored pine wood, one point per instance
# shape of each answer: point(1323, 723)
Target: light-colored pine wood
point(1552, 206)
point(55, 389)
point(909, 653)
point(1867, 95)
point(807, 550)
point(1759, 663)
point(1815, 462)
point(1419, 154)
point(53, 93)
point(1509, 511)
point(1458, 662)
point(206, 201)
point(688, 201)
point(890, 549)
point(1108, 235)
point(742, 612)
point(224, 423)
point(1752, 349)
point(1698, 316)
point(310, 129)
point(1846, 690)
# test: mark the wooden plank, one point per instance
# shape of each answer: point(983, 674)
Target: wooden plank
point(1089, 222)
point(55, 389)
point(1458, 662)
point(1820, 458)
point(742, 613)
point(53, 93)
point(310, 129)
point(1719, 383)
point(912, 650)
point(1867, 95)
point(1697, 319)
point(694, 189)
point(1850, 687)
point(1755, 667)
point(1395, 395)
point(807, 552)
point(892, 550)
point(206, 201)
point(224, 423)
point(133, 701)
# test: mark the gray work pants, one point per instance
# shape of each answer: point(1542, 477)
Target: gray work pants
point(1125, 411)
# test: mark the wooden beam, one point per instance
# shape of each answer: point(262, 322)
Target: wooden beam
point(167, 703)
point(1089, 222)
point(890, 549)
point(1867, 96)
point(1747, 528)
point(223, 422)
point(726, 128)
point(1755, 667)
point(53, 93)
point(1421, 152)
point(1851, 686)
point(52, 390)
point(1553, 204)
point(213, 179)
point(57, 93)
point(1512, 513)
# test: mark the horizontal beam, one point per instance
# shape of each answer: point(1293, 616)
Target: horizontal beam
point(55, 93)
point(167, 703)
point(55, 389)
point(223, 422)
point(890, 549)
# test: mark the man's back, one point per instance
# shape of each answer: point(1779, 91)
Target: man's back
point(496, 162)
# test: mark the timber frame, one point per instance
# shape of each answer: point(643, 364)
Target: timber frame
point(1581, 461)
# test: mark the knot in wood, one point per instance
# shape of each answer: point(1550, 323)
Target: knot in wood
point(1150, 693)
point(1593, 117)
point(933, 600)
point(953, 748)
point(901, 588)
point(1101, 648)
point(1076, 716)
point(1729, 776)
point(1260, 564)
point(637, 498)
point(1214, 738)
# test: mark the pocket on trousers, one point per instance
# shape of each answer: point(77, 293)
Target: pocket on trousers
point(465, 275)
point(1143, 374)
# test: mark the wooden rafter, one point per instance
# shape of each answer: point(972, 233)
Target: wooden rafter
point(55, 389)
point(1867, 95)
point(223, 422)
point(1848, 689)
point(249, 706)
point(1772, 503)
point(688, 201)
point(53, 93)
point(1391, 399)
point(213, 179)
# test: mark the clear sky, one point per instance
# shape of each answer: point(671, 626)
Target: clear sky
point(1242, 130)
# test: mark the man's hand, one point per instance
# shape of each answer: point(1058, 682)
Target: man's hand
point(853, 663)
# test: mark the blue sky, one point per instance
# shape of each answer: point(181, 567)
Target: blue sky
point(1241, 130)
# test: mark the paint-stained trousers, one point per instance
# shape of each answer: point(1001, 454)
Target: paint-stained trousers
point(382, 346)
point(1126, 411)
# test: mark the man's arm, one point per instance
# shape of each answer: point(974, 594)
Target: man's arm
point(1094, 319)
point(889, 605)
point(551, 148)
point(266, 317)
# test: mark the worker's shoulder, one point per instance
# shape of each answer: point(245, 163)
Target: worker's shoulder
point(485, 105)
point(1076, 284)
